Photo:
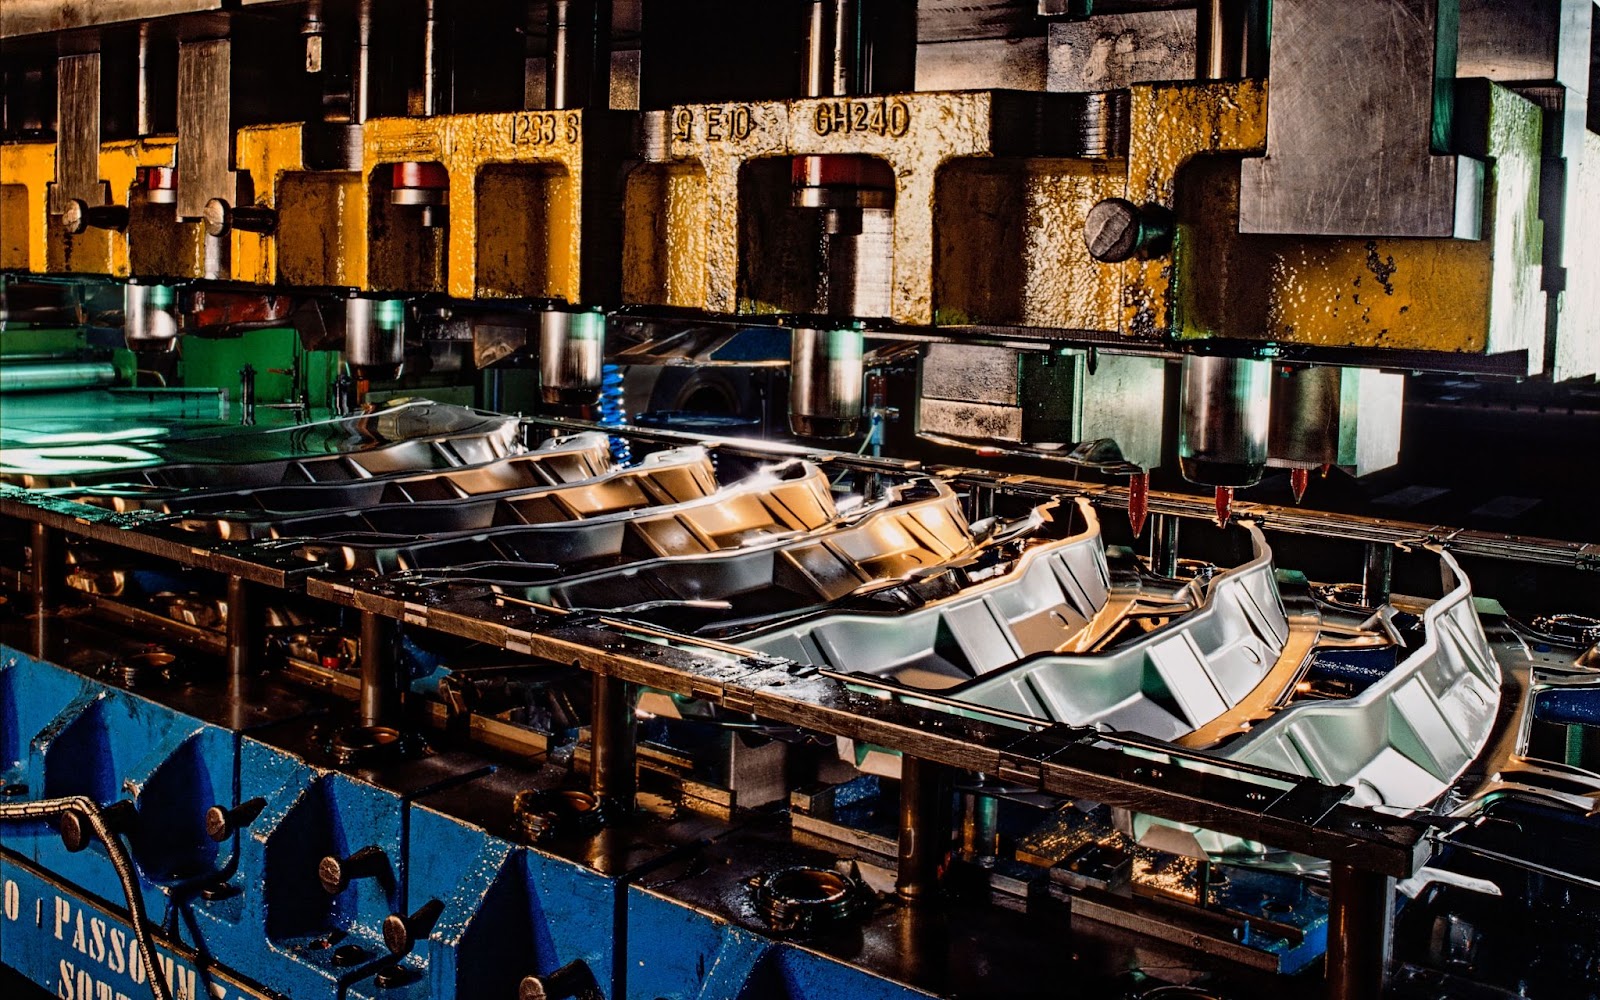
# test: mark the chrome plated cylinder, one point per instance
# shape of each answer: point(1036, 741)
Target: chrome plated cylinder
point(825, 377)
point(55, 376)
point(575, 73)
point(150, 324)
point(572, 348)
point(1305, 417)
point(1225, 419)
point(375, 337)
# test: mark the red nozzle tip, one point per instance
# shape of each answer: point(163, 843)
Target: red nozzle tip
point(1138, 501)
point(1299, 479)
point(1224, 505)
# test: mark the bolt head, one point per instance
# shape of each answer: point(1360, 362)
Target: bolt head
point(397, 934)
point(74, 218)
point(532, 988)
point(218, 827)
point(1112, 230)
point(215, 216)
point(330, 872)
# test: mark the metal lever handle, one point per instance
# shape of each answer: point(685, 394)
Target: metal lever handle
point(401, 933)
point(572, 981)
point(336, 874)
point(222, 822)
point(76, 832)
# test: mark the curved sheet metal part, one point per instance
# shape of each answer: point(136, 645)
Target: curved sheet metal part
point(790, 498)
point(1508, 768)
point(1049, 595)
point(918, 528)
point(1405, 739)
point(404, 436)
point(676, 476)
point(1169, 682)
point(565, 459)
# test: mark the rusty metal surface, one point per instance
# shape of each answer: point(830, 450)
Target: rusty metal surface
point(703, 221)
point(527, 204)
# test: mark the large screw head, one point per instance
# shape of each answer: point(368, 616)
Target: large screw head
point(216, 215)
point(75, 217)
point(1113, 230)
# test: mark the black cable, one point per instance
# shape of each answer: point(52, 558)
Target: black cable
point(55, 808)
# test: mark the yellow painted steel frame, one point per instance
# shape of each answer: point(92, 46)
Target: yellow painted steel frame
point(1470, 296)
point(26, 171)
point(106, 251)
point(321, 234)
point(683, 228)
point(516, 200)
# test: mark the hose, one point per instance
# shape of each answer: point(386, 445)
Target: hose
point(54, 808)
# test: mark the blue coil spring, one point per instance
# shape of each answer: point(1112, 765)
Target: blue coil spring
point(613, 411)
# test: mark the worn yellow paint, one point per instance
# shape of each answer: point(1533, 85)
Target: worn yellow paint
point(1010, 247)
point(526, 241)
point(1475, 296)
point(105, 251)
point(26, 171)
point(1170, 125)
point(691, 219)
point(321, 237)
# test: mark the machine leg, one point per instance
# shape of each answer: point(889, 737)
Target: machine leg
point(980, 816)
point(924, 828)
point(1164, 546)
point(48, 572)
point(611, 771)
point(1377, 575)
point(245, 629)
point(1360, 933)
point(380, 682)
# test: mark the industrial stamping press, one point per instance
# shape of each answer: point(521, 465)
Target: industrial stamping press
point(810, 499)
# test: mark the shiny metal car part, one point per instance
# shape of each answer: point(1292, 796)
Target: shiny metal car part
point(666, 477)
point(1175, 679)
point(641, 524)
point(563, 459)
point(407, 436)
point(917, 528)
point(1405, 739)
point(1508, 768)
point(1047, 597)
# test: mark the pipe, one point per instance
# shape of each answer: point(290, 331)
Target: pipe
point(148, 322)
point(924, 829)
point(1360, 933)
point(374, 337)
point(48, 576)
point(571, 356)
point(55, 376)
point(577, 70)
point(246, 623)
point(612, 774)
point(1305, 417)
point(432, 90)
point(1164, 546)
point(380, 669)
point(361, 78)
point(142, 125)
point(1230, 39)
point(1377, 574)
